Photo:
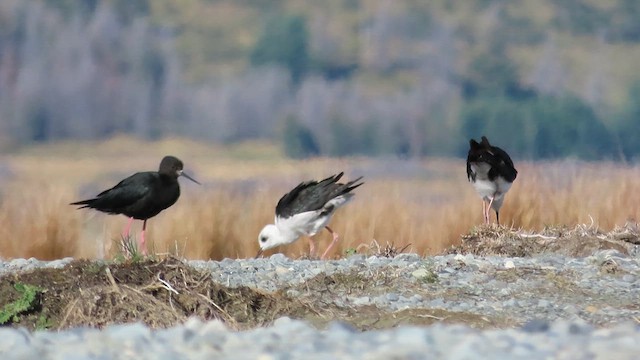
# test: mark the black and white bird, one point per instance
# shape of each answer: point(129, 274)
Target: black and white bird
point(491, 171)
point(306, 210)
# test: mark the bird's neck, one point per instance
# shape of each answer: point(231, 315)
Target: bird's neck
point(287, 236)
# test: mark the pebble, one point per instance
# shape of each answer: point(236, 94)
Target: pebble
point(420, 274)
point(629, 278)
point(365, 300)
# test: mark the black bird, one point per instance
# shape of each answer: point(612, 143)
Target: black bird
point(491, 171)
point(142, 195)
point(305, 210)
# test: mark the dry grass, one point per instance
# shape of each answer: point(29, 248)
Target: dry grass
point(426, 204)
point(580, 241)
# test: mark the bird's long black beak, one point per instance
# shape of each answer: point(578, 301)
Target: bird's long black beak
point(182, 173)
point(259, 253)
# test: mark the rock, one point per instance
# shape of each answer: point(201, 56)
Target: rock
point(392, 297)
point(629, 278)
point(361, 301)
point(420, 274)
point(535, 325)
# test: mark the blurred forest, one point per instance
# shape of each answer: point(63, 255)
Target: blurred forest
point(542, 78)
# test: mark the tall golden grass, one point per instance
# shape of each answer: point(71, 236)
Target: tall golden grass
point(427, 204)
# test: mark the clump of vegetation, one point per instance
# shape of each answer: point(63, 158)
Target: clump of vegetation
point(582, 240)
point(159, 293)
point(128, 250)
point(28, 300)
point(389, 250)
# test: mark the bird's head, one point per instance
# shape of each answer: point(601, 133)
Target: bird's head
point(173, 166)
point(480, 151)
point(270, 237)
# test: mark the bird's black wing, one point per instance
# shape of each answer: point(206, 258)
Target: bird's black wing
point(500, 162)
point(126, 193)
point(313, 195)
point(472, 156)
point(503, 164)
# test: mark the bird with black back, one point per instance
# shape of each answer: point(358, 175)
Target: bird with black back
point(491, 171)
point(142, 195)
point(306, 210)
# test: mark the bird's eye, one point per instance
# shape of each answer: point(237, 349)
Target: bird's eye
point(263, 239)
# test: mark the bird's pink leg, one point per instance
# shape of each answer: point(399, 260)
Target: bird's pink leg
point(489, 209)
point(335, 240)
point(127, 229)
point(312, 247)
point(484, 211)
point(143, 246)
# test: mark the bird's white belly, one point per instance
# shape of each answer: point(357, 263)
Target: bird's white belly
point(307, 223)
point(317, 225)
point(491, 189)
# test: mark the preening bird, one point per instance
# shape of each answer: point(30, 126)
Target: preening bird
point(491, 171)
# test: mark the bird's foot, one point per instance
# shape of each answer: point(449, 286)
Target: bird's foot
point(312, 248)
point(143, 245)
point(335, 240)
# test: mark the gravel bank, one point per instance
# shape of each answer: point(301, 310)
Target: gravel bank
point(548, 306)
point(291, 339)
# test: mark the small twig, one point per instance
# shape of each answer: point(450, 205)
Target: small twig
point(404, 248)
point(171, 302)
point(114, 285)
point(213, 303)
point(431, 317)
point(538, 236)
point(134, 289)
point(167, 285)
point(66, 315)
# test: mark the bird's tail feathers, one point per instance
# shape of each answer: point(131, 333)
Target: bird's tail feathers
point(352, 185)
point(85, 203)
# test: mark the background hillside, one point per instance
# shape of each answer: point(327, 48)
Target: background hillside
point(544, 78)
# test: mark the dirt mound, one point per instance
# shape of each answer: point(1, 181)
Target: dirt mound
point(157, 293)
point(580, 241)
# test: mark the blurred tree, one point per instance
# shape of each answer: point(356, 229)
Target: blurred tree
point(539, 128)
point(343, 136)
point(128, 10)
point(627, 125)
point(625, 24)
point(567, 126)
point(580, 17)
point(491, 73)
point(298, 140)
point(70, 8)
point(284, 42)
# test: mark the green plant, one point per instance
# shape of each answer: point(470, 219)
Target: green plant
point(428, 274)
point(128, 250)
point(10, 313)
point(43, 322)
point(350, 251)
point(299, 142)
point(284, 42)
